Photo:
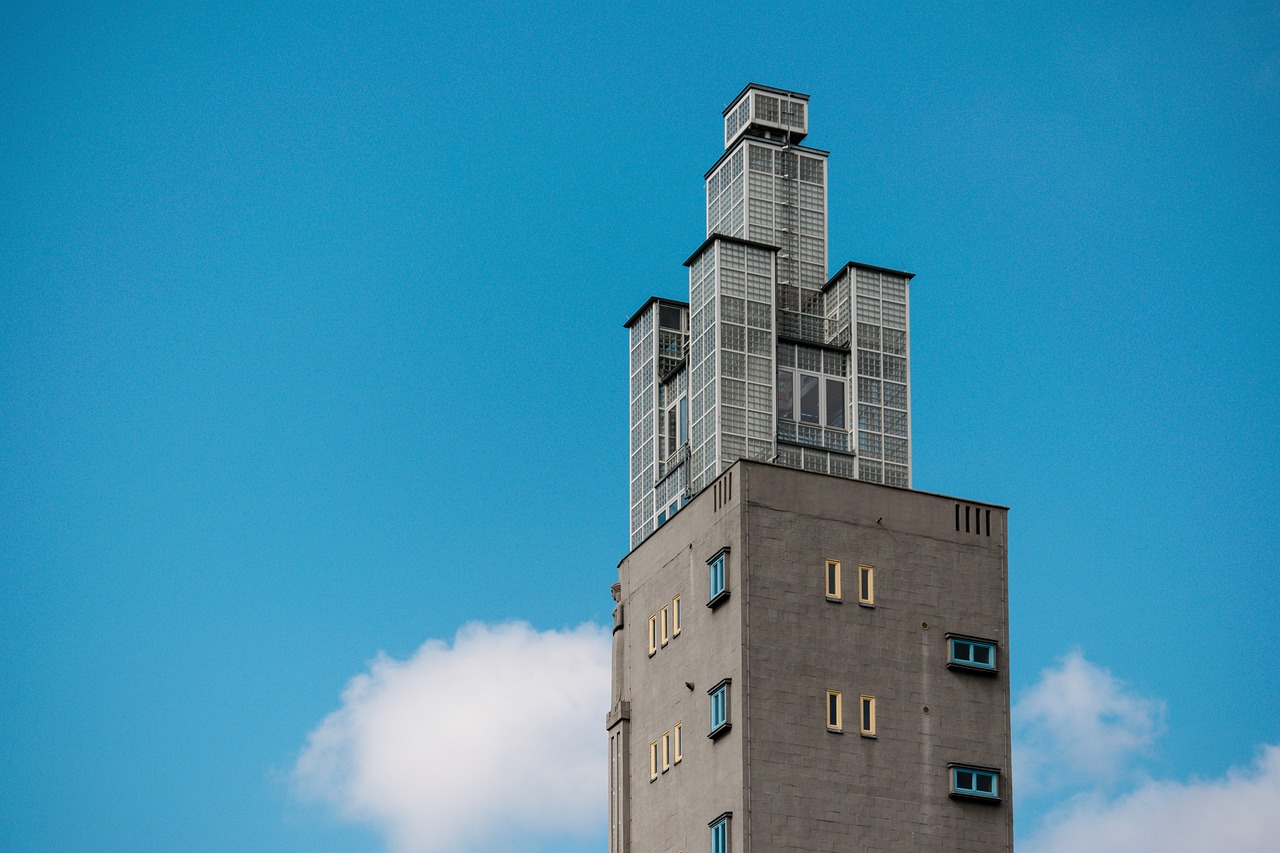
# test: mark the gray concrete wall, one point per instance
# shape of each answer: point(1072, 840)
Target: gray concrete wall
point(810, 789)
point(671, 814)
point(790, 784)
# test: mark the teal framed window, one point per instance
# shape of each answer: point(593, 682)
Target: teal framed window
point(975, 782)
point(719, 708)
point(718, 578)
point(971, 653)
point(720, 834)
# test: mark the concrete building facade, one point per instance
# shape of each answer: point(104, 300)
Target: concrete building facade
point(808, 654)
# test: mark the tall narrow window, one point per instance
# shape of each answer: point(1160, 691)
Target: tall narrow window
point(786, 405)
point(718, 581)
point(720, 835)
point(684, 421)
point(835, 403)
point(866, 585)
point(675, 617)
point(868, 724)
point(833, 580)
point(653, 761)
point(810, 412)
point(719, 707)
point(666, 751)
point(653, 634)
point(677, 747)
point(662, 622)
point(835, 721)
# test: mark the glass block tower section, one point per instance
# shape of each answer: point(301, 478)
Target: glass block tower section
point(770, 359)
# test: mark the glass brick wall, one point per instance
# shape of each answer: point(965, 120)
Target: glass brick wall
point(643, 399)
point(703, 438)
point(771, 362)
point(725, 199)
point(883, 377)
point(747, 352)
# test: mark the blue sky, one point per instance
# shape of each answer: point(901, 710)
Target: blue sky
point(311, 349)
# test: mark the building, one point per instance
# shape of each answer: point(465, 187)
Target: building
point(808, 654)
point(759, 363)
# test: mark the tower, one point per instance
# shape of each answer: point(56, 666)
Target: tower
point(808, 654)
point(760, 362)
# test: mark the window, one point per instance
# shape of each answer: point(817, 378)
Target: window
point(653, 761)
point(786, 409)
point(868, 723)
point(809, 408)
point(653, 634)
point(676, 747)
point(719, 708)
point(675, 617)
point(866, 586)
point(835, 722)
point(662, 622)
point(972, 654)
point(835, 403)
point(975, 782)
point(810, 399)
point(720, 834)
point(718, 580)
point(666, 751)
point(833, 580)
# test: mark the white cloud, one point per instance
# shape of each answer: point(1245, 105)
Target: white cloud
point(1078, 725)
point(1239, 813)
point(461, 747)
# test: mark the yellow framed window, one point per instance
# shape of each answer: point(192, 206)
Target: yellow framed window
point(866, 585)
point(662, 623)
point(868, 722)
point(676, 747)
point(666, 751)
point(653, 761)
point(675, 617)
point(835, 714)
point(653, 634)
point(833, 580)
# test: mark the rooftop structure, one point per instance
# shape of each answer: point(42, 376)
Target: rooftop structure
point(769, 359)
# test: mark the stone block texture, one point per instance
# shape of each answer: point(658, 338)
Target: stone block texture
point(788, 782)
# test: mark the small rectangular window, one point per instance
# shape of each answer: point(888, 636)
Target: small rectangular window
point(719, 707)
point(833, 580)
point(720, 835)
point(718, 581)
point(975, 782)
point(866, 585)
point(786, 406)
point(972, 654)
point(677, 748)
point(653, 634)
point(662, 623)
point(666, 751)
point(653, 761)
point(868, 723)
point(835, 720)
point(675, 617)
